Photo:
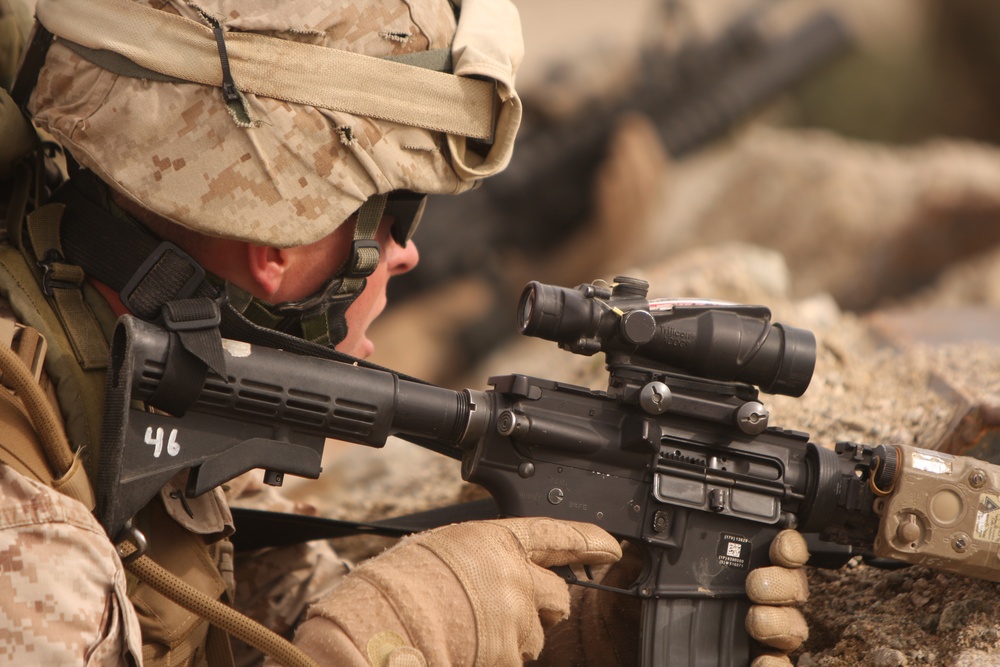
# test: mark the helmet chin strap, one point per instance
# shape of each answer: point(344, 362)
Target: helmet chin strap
point(321, 317)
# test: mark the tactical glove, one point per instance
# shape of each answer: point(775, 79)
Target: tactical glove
point(604, 626)
point(772, 620)
point(603, 629)
point(474, 593)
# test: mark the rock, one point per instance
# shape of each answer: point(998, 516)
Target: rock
point(897, 216)
point(975, 658)
point(957, 615)
point(888, 657)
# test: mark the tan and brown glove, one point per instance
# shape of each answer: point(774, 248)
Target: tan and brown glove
point(773, 620)
point(475, 593)
point(603, 630)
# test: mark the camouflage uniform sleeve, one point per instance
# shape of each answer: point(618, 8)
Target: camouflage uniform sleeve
point(62, 586)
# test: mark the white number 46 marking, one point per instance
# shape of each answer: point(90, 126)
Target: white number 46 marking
point(156, 439)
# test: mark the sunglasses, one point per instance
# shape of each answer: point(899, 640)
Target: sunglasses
point(406, 208)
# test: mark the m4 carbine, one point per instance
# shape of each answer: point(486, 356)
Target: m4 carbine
point(677, 456)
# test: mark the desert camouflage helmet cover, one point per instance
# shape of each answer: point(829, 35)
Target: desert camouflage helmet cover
point(301, 167)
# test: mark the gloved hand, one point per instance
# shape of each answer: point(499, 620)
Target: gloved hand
point(473, 593)
point(604, 626)
point(603, 629)
point(772, 620)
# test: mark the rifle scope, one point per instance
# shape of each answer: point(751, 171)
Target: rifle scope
point(709, 339)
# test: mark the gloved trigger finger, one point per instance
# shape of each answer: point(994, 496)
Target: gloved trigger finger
point(549, 542)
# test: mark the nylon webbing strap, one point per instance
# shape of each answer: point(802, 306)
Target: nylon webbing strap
point(194, 347)
point(117, 63)
point(262, 529)
point(62, 282)
point(269, 67)
point(31, 64)
point(166, 275)
point(365, 249)
point(360, 264)
point(147, 272)
point(438, 60)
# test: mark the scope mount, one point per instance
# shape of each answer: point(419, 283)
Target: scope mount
point(657, 391)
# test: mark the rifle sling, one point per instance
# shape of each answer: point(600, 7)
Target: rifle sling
point(259, 529)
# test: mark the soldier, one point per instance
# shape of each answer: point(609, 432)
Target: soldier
point(274, 209)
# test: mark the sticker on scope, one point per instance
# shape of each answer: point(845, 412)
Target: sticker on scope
point(734, 551)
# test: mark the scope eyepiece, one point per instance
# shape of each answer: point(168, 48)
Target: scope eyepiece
point(554, 313)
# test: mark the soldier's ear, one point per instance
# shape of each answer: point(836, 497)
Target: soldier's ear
point(267, 267)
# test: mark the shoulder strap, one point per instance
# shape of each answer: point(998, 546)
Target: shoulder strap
point(80, 392)
point(62, 284)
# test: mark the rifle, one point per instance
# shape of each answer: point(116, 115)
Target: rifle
point(677, 456)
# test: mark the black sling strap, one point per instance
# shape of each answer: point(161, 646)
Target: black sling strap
point(145, 271)
point(258, 529)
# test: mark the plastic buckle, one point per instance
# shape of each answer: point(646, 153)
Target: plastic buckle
point(144, 269)
point(48, 282)
point(131, 534)
point(210, 322)
point(354, 270)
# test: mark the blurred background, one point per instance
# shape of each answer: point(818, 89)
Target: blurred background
point(855, 140)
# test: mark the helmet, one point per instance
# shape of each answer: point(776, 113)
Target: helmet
point(273, 121)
